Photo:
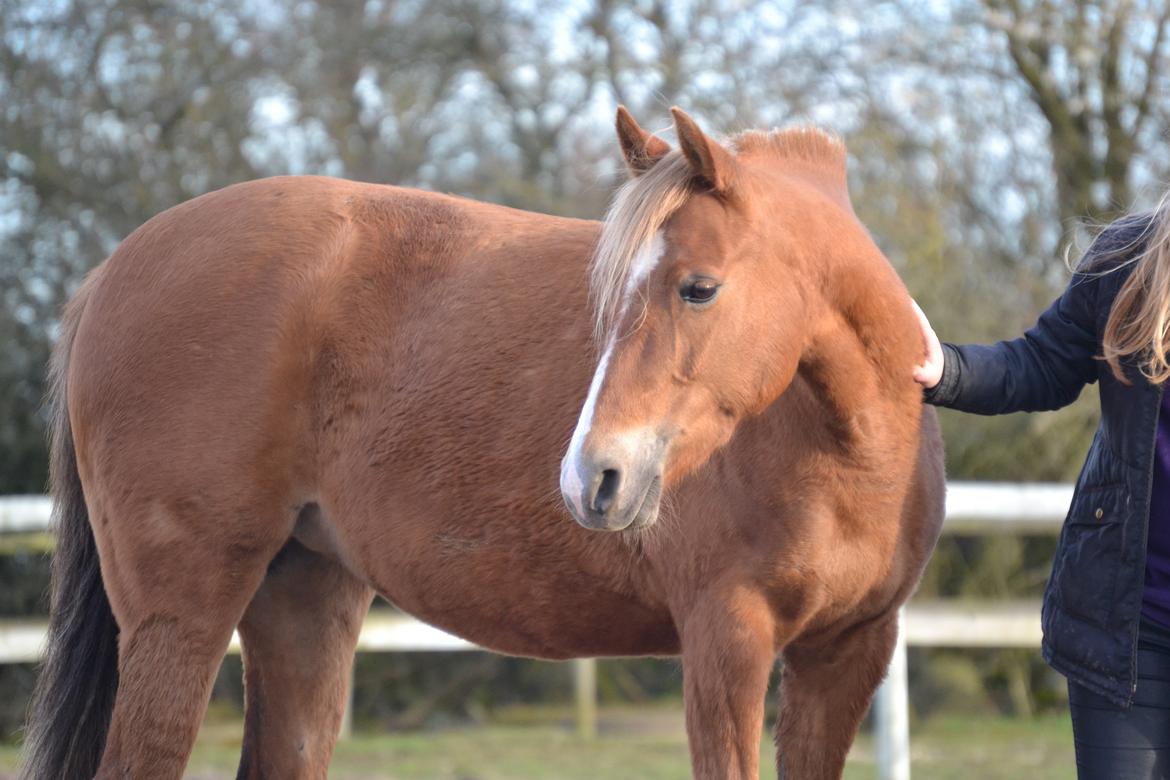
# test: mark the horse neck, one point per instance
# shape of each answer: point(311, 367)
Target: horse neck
point(861, 348)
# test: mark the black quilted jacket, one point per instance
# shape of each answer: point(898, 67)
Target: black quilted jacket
point(1092, 604)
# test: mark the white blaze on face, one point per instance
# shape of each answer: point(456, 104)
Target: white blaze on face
point(572, 485)
point(644, 264)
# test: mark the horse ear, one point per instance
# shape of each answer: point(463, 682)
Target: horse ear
point(710, 161)
point(640, 148)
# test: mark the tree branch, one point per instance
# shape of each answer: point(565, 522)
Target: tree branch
point(1153, 63)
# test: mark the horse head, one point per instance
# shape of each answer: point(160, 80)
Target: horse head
point(708, 287)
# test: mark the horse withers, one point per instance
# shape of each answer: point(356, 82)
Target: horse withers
point(278, 399)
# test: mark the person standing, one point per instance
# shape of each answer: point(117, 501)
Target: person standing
point(1106, 608)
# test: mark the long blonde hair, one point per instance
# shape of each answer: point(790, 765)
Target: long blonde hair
point(1138, 324)
point(1139, 321)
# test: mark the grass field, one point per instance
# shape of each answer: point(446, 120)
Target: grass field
point(646, 744)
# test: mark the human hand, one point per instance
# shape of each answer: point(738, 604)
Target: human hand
point(928, 373)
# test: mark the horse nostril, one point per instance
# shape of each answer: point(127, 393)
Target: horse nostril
point(606, 491)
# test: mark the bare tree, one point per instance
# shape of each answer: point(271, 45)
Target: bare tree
point(1095, 70)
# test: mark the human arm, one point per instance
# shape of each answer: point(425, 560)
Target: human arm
point(1044, 369)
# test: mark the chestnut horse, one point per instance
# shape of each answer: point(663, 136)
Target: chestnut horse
point(276, 400)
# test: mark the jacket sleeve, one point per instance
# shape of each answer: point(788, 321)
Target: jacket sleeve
point(1051, 363)
point(1044, 369)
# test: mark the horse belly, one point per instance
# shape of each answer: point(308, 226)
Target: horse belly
point(521, 611)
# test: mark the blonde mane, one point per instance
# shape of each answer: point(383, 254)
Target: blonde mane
point(644, 204)
point(820, 150)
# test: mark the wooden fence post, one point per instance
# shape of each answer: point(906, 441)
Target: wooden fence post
point(585, 683)
point(347, 715)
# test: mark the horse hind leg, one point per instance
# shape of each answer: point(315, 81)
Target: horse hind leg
point(825, 691)
point(298, 635)
point(177, 588)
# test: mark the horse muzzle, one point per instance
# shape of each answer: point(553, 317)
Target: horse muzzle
point(617, 487)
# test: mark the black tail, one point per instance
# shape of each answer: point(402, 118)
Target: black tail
point(74, 697)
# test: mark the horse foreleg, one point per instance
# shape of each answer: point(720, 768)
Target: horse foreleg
point(826, 689)
point(728, 648)
point(298, 635)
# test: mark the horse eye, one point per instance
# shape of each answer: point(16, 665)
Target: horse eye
point(700, 290)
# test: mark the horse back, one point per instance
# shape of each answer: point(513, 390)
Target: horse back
point(218, 336)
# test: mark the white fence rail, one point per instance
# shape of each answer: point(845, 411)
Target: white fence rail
point(24, 514)
point(21, 640)
point(976, 507)
point(928, 624)
point(972, 508)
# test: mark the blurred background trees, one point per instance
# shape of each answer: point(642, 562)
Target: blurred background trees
point(982, 133)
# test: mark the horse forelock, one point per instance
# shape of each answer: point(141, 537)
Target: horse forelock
point(639, 210)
